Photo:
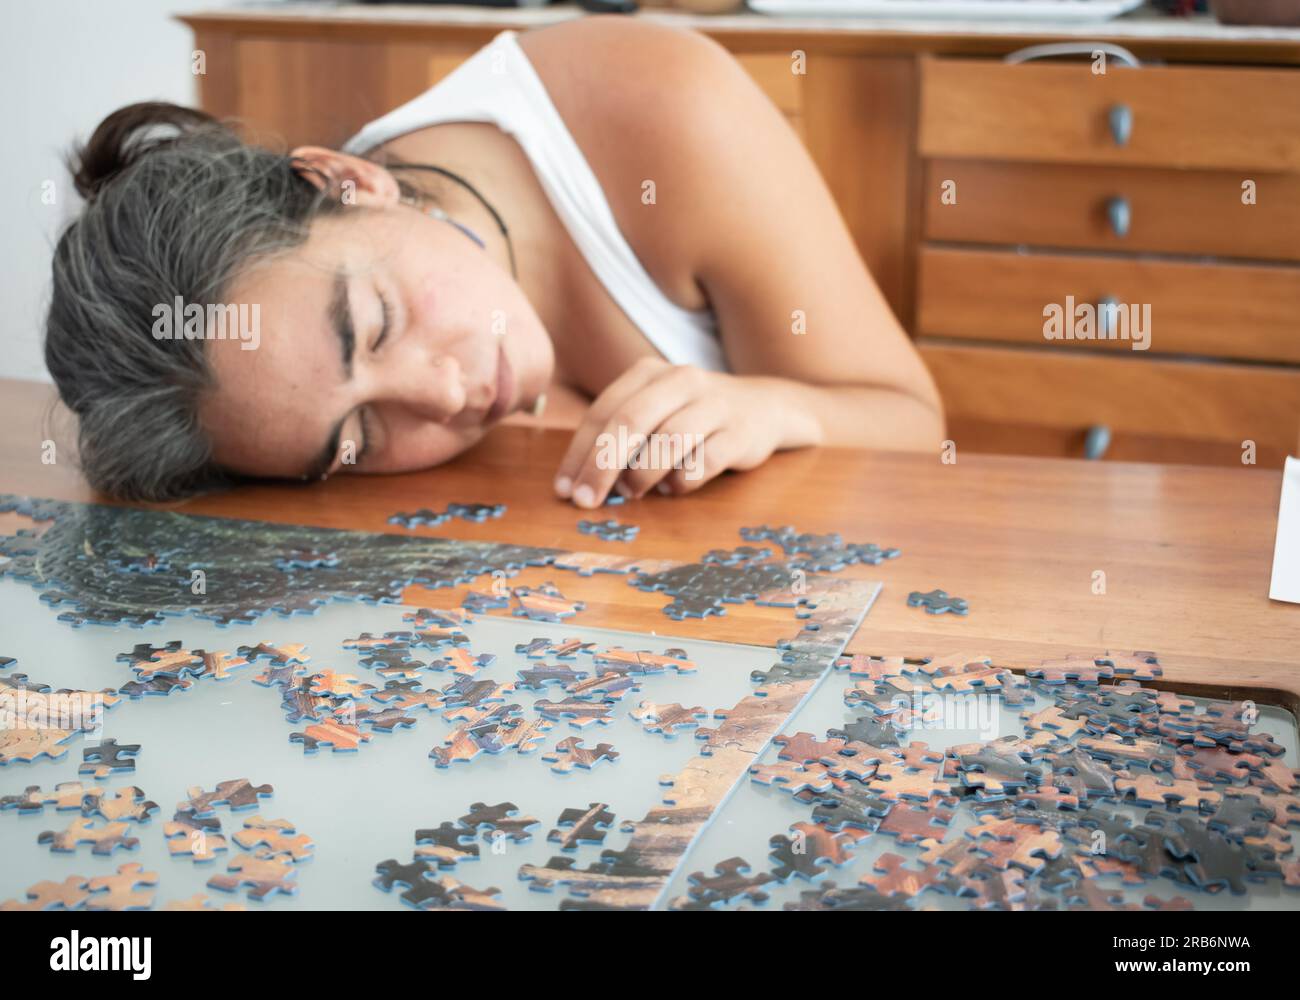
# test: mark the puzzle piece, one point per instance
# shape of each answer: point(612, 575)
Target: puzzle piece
point(218, 665)
point(108, 757)
point(385, 721)
point(161, 686)
point(465, 743)
point(465, 692)
point(730, 881)
point(392, 873)
point(393, 662)
point(693, 606)
point(299, 704)
point(738, 556)
point(338, 736)
point(454, 895)
point(282, 677)
point(581, 826)
point(197, 838)
point(998, 769)
point(66, 795)
point(237, 793)
point(369, 643)
point(27, 745)
point(34, 706)
point(804, 748)
point(261, 873)
point(609, 530)
point(278, 655)
point(337, 685)
point(105, 839)
point(607, 687)
point(120, 891)
point(536, 678)
point(573, 752)
point(938, 602)
point(642, 661)
point(897, 781)
point(578, 713)
point(477, 512)
point(828, 896)
point(420, 518)
point(806, 855)
point(124, 804)
point(667, 719)
point(201, 902)
point(909, 823)
point(481, 602)
point(893, 879)
point(446, 845)
point(545, 604)
point(171, 660)
point(277, 835)
point(791, 777)
point(502, 818)
point(1146, 790)
point(70, 894)
point(1079, 668)
point(524, 736)
point(409, 696)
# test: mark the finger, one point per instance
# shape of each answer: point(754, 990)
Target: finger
point(628, 430)
point(597, 414)
point(715, 455)
point(682, 432)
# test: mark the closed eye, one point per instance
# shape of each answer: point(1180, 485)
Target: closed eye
point(387, 310)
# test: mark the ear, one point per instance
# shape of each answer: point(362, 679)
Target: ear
point(346, 176)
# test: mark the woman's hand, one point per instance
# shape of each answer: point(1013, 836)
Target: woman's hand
point(675, 427)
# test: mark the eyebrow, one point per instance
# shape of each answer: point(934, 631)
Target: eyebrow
point(340, 320)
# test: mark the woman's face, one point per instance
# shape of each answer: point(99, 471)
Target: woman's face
point(388, 342)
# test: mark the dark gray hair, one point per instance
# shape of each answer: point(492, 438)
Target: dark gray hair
point(177, 205)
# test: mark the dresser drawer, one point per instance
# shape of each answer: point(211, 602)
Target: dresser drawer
point(1070, 392)
point(1218, 310)
point(1165, 211)
point(1202, 117)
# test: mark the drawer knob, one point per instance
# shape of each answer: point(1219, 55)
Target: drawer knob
point(1096, 442)
point(1117, 210)
point(1121, 124)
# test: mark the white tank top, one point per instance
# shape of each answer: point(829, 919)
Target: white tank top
point(499, 85)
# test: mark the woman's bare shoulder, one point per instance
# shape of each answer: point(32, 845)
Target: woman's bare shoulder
point(638, 98)
point(607, 48)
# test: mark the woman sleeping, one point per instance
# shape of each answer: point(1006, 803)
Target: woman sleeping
point(602, 224)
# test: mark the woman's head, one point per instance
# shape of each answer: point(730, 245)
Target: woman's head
point(368, 336)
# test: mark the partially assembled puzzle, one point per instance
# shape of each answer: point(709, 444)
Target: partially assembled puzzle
point(503, 754)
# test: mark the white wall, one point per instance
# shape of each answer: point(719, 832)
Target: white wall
point(64, 65)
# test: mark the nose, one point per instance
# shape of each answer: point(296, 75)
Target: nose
point(431, 388)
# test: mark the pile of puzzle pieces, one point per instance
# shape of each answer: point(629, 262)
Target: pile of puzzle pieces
point(271, 849)
point(341, 711)
point(1050, 819)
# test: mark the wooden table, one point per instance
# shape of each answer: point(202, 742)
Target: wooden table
point(1186, 550)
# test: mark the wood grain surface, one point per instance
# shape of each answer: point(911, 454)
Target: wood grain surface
point(1186, 550)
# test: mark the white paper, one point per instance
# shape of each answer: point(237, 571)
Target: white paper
point(1286, 551)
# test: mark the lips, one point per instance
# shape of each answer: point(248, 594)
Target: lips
point(505, 388)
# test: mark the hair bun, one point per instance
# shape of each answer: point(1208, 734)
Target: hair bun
point(126, 135)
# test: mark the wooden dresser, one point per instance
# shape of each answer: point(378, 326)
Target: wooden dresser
point(1162, 199)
